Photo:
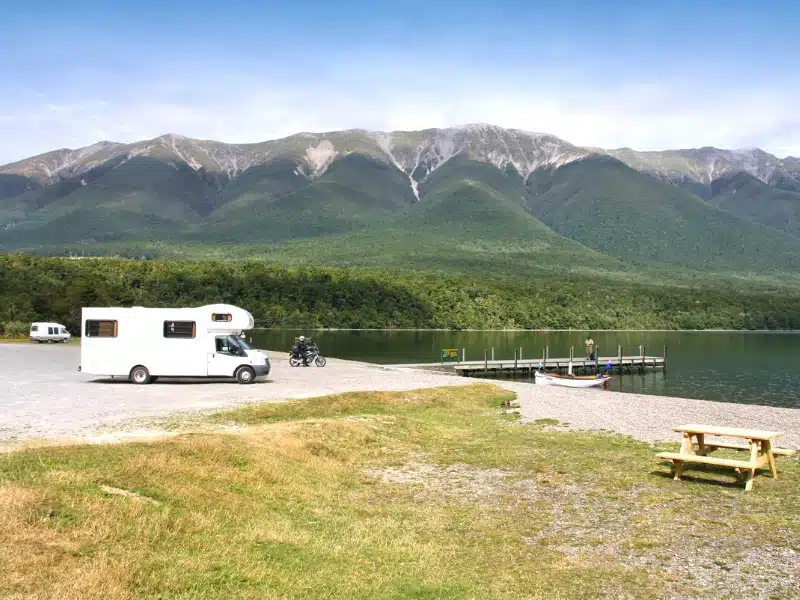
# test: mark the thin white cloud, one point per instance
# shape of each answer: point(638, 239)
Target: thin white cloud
point(646, 115)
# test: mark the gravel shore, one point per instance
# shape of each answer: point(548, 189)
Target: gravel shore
point(650, 418)
point(43, 396)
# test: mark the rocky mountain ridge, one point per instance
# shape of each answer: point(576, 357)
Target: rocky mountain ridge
point(416, 153)
point(707, 164)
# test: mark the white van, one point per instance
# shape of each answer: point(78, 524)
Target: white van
point(49, 332)
point(142, 344)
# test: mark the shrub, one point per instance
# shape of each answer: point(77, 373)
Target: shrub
point(16, 329)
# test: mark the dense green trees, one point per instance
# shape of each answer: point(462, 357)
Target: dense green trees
point(33, 288)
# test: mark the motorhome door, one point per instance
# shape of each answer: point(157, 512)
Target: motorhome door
point(222, 362)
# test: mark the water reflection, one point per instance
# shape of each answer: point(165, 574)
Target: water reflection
point(746, 367)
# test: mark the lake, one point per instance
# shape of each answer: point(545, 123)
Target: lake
point(745, 367)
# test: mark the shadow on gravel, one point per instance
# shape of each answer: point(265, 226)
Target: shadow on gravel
point(176, 381)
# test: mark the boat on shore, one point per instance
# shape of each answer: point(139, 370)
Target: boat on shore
point(583, 381)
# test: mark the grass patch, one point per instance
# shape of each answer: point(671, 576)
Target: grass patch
point(546, 423)
point(422, 494)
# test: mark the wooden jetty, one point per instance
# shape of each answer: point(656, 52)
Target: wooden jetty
point(528, 366)
point(517, 366)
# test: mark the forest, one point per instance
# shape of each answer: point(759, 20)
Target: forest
point(54, 289)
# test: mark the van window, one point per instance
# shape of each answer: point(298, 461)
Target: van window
point(64, 331)
point(221, 317)
point(179, 329)
point(223, 345)
point(34, 328)
point(50, 331)
point(96, 328)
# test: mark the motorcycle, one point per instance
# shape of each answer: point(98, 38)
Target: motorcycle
point(312, 354)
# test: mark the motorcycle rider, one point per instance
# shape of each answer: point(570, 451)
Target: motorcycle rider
point(302, 349)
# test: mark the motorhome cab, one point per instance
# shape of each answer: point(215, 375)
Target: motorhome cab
point(49, 332)
point(143, 344)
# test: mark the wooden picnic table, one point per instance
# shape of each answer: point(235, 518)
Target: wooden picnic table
point(760, 444)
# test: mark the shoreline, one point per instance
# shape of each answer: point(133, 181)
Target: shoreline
point(61, 404)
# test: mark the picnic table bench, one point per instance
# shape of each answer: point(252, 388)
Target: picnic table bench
point(759, 444)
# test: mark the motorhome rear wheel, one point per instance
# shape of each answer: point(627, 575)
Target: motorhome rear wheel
point(140, 375)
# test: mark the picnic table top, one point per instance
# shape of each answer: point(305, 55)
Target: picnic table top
point(753, 434)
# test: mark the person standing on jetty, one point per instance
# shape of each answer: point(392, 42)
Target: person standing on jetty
point(589, 346)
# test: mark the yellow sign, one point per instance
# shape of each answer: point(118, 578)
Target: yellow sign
point(449, 353)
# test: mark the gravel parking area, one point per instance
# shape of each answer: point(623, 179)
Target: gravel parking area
point(42, 395)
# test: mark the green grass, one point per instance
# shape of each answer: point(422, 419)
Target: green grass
point(424, 494)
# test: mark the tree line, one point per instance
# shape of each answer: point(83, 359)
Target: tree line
point(54, 289)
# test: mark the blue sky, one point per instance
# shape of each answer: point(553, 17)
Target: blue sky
point(647, 75)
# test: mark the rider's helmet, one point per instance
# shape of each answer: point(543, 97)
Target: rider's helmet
point(302, 338)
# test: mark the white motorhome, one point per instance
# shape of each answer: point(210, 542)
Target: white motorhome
point(142, 344)
point(49, 332)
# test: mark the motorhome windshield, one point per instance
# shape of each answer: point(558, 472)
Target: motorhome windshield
point(237, 341)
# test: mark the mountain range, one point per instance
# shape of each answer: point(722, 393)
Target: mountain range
point(477, 192)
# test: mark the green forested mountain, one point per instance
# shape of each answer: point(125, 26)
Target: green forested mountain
point(471, 199)
point(609, 206)
point(747, 196)
point(355, 192)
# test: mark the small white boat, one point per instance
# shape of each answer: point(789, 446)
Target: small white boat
point(571, 380)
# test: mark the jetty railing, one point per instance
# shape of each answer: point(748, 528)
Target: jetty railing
point(516, 364)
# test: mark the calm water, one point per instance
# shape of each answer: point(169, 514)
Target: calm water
point(752, 367)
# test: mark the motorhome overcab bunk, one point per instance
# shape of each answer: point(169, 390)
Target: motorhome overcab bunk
point(142, 344)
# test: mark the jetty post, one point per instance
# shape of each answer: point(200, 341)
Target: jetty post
point(644, 353)
point(485, 361)
point(492, 353)
point(463, 355)
point(515, 361)
point(596, 360)
point(619, 357)
point(665, 357)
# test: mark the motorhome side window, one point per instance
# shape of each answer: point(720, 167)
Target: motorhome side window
point(224, 345)
point(179, 329)
point(34, 328)
point(221, 317)
point(101, 328)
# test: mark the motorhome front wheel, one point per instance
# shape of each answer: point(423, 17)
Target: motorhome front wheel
point(245, 375)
